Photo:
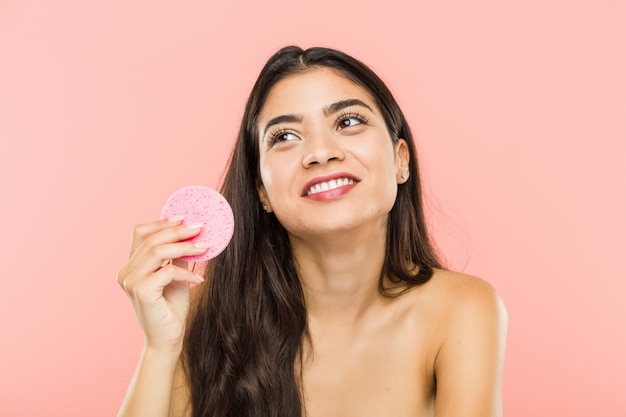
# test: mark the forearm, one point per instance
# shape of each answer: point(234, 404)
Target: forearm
point(150, 390)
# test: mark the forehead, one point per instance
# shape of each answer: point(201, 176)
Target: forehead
point(311, 91)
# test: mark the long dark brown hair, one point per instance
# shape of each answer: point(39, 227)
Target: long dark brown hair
point(248, 323)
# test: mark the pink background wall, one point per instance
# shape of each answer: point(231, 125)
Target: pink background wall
point(519, 107)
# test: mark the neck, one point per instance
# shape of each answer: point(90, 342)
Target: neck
point(340, 273)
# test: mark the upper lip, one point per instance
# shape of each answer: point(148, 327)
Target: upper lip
point(325, 178)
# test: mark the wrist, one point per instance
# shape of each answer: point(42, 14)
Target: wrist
point(165, 353)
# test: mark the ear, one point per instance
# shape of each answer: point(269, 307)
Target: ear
point(402, 156)
point(265, 201)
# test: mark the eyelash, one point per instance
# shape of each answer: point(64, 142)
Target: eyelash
point(351, 115)
point(275, 135)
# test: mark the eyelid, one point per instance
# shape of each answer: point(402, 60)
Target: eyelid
point(271, 137)
point(274, 132)
point(351, 115)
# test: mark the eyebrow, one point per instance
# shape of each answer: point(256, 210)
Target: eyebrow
point(327, 110)
point(286, 118)
point(340, 105)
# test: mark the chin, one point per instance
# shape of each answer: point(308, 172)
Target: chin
point(343, 223)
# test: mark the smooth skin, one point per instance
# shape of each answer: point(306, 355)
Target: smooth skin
point(159, 291)
point(436, 350)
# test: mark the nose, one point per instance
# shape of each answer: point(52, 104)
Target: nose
point(321, 149)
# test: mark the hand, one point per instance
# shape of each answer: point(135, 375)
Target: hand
point(158, 288)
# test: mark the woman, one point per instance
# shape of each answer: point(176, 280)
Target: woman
point(330, 300)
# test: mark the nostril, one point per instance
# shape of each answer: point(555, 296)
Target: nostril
point(320, 152)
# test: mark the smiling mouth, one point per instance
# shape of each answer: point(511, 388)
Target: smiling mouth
point(329, 185)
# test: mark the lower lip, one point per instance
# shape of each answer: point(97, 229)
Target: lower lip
point(333, 194)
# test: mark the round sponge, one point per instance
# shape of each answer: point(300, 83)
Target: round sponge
point(199, 203)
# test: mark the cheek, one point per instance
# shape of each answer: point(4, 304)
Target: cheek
point(385, 166)
point(380, 158)
point(265, 173)
point(274, 175)
point(267, 169)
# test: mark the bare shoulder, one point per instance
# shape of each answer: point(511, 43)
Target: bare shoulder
point(457, 307)
point(459, 293)
point(470, 322)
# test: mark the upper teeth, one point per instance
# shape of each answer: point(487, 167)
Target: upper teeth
point(329, 185)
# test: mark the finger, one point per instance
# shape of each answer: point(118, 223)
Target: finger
point(120, 277)
point(150, 259)
point(151, 289)
point(141, 231)
point(168, 235)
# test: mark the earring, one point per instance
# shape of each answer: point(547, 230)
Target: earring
point(264, 207)
point(405, 175)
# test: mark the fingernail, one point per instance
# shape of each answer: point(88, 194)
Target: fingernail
point(175, 219)
point(201, 245)
point(199, 278)
point(194, 226)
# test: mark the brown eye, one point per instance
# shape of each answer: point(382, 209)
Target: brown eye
point(285, 136)
point(350, 120)
point(280, 136)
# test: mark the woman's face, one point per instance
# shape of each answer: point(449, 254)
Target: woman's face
point(327, 161)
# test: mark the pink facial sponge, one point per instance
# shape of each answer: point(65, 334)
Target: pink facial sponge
point(199, 203)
